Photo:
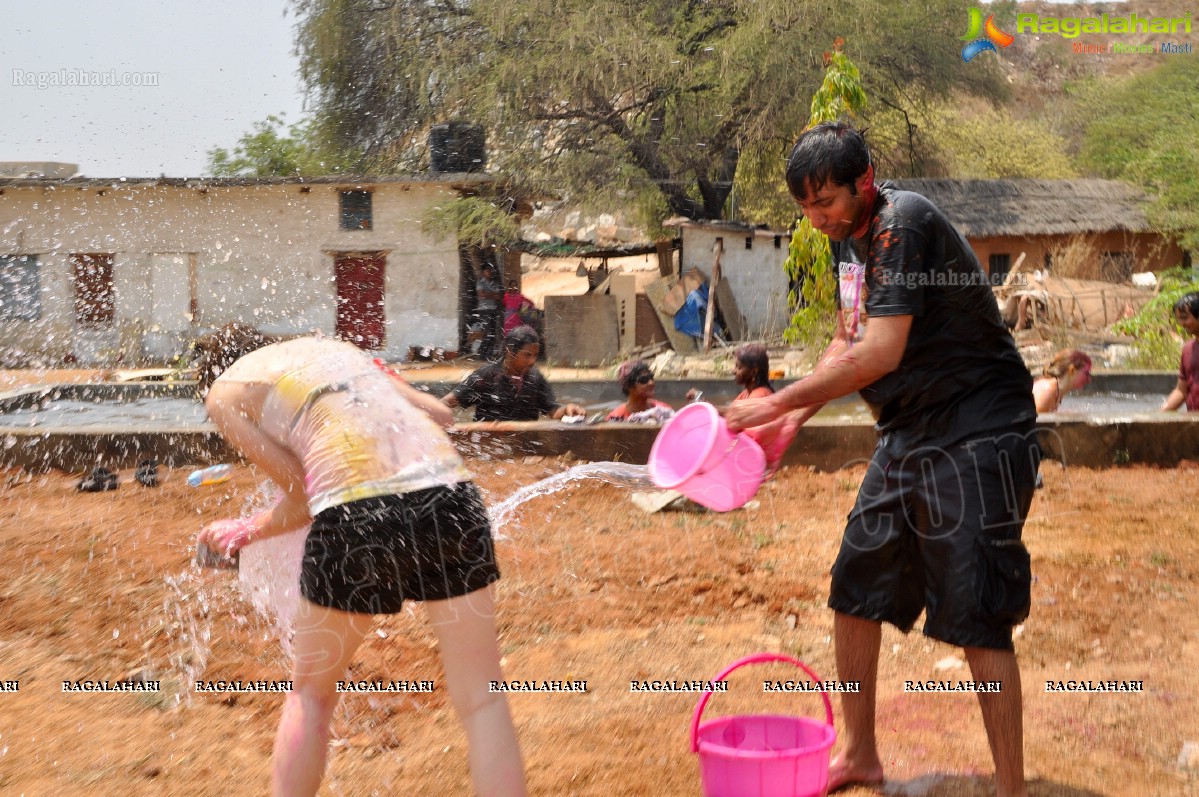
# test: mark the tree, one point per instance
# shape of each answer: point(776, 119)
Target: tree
point(1144, 130)
point(965, 140)
point(1158, 344)
point(809, 263)
point(647, 101)
point(271, 150)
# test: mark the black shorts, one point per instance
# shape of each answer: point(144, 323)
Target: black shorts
point(939, 530)
point(370, 556)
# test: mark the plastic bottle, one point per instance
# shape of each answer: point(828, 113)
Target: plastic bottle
point(214, 474)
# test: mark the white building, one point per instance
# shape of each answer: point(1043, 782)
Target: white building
point(751, 261)
point(101, 271)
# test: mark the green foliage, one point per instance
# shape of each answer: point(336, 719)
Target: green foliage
point(1158, 342)
point(988, 143)
point(1144, 130)
point(472, 220)
point(809, 262)
point(761, 194)
point(661, 97)
point(809, 265)
point(273, 150)
point(764, 198)
point(840, 94)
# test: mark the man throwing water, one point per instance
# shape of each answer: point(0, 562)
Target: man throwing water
point(937, 522)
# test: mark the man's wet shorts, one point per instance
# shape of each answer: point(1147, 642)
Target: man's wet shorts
point(938, 530)
point(369, 556)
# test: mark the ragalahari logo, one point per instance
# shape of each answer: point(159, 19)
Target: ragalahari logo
point(983, 36)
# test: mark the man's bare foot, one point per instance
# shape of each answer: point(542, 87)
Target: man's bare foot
point(842, 773)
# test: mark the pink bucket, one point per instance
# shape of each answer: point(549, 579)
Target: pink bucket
point(763, 755)
point(696, 454)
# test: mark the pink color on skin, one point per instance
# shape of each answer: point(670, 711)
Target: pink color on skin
point(233, 534)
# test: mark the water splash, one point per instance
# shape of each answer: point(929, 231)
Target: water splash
point(268, 575)
point(268, 578)
point(622, 474)
point(189, 628)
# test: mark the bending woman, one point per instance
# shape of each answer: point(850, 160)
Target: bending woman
point(1069, 370)
point(362, 457)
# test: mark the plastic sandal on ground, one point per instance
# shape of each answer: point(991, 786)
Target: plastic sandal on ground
point(100, 480)
point(147, 473)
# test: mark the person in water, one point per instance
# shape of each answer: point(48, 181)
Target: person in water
point(1068, 371)
point(1186, 313)
point(751, 370)
point(636, 381)
point(511, 389)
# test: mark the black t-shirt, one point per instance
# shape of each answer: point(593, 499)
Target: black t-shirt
point(961, 373)
point(497, 396)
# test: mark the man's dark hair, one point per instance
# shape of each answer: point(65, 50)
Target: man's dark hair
point(829, 152)
point(1188, 302)
point(520, 337)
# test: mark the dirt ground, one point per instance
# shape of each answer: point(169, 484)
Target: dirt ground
point(101, 586)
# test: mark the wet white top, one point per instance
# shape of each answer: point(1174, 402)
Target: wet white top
point(344, 418)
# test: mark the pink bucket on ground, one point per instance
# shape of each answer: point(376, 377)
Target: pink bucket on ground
point(763, 755)
point(696, 454)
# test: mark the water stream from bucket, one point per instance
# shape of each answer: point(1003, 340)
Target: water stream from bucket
point(622, 474)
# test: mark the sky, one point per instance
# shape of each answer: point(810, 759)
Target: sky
point(216, 67)
point(220, 66)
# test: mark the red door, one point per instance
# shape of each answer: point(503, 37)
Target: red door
point(360, 299)
point(94, 296)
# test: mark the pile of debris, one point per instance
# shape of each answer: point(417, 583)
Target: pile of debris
point(1045, 311)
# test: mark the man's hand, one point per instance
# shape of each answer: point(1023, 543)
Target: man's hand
point(753, 412)
point(775, 437)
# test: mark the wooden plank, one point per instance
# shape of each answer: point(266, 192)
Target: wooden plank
point(656, 293)
point(727, 306)
point(624, 288)
point(649, 327)
point(665, 250)
point(581, 330)
point(710, 312)
point(676, 297)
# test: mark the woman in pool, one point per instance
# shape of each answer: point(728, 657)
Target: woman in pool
point(636, 381)
point(363, 457)
point(751, 370)
point(1069, 370)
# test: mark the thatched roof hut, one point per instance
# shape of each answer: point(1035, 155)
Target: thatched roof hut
point(1024, 207)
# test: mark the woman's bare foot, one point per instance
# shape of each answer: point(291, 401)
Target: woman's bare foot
point(843, 773)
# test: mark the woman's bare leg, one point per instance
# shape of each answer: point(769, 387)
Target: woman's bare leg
point(325, 641)
point(466, 635)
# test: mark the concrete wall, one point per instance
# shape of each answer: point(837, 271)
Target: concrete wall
point(755, 274)
point(262, 254)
